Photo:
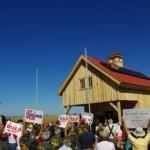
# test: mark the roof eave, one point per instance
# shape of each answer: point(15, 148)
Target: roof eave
point(134, 86)
point(69, 76)
point(60, 91)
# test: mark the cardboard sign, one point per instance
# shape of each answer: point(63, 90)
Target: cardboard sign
point(33, 116)
point(136, 117)
point(117, 127)
point(70, 118)
point(74, 118)
point(13, 128)
point(64, 119)
point(87, 117)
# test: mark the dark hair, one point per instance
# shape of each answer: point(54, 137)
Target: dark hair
point(3, 119)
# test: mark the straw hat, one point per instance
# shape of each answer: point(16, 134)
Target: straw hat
point(139, 132)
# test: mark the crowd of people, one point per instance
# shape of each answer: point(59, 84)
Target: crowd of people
point(101, 135)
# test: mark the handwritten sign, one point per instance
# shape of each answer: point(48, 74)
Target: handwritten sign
point(136, 117)
point(64, 119)
point(70, 118)
point(74, 118)
point(13, 128)
point(33, 116)
point(87, 117)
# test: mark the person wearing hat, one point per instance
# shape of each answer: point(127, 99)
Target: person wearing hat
point(140, 140)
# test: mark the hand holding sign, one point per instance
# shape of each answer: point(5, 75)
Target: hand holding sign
point(13, 128)
point(136, 117)
point(33, 116)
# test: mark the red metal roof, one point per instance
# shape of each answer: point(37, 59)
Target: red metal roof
point(123, 78)
point(113, 54)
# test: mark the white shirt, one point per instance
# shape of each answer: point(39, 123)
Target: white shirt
point(11, 139)
point(105, 145)
point(64, 147)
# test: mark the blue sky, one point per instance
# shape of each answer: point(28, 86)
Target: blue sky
point(52, 35)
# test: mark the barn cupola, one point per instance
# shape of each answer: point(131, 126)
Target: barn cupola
point(116, 58)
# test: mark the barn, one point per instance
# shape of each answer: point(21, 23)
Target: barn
point(104, 88)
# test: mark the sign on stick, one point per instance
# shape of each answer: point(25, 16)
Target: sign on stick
point(136, 117)
point(33, 116)
point(87, 117)
point(14, 128)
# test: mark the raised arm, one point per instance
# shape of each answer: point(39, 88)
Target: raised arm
point(125, 126)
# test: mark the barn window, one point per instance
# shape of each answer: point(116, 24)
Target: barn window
point(83, 82)
point(90, 81)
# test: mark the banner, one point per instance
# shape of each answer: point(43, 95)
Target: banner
point(87, 117)
point(70, 118)
point(136, 117)
point(64, 119)
point(74, 118)
point(33, 116)
point(14, 128)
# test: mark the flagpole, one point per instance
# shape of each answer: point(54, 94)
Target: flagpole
point(86, 81)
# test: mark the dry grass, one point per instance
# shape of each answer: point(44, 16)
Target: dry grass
point(49, 118)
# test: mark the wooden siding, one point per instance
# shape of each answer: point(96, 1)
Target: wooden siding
point(142, 97)
point(103, 89)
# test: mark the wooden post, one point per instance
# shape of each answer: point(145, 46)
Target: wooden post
point(67, 109)
point(114, 106)
point(119, 111)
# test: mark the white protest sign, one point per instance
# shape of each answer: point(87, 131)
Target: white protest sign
point(136, 117)
point(87, 117)
point(74, 118)
point(63, 120)
point(13, 128)
point(116, 127)
point(33, 116)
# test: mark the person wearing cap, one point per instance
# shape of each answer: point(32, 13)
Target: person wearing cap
point(140, 140)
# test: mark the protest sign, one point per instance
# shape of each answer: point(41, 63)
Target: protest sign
point(116, 127)
point(70, 118)
point(87, 117)
point(33, 116)
point(63, 120)
point(136, 117)
point(14, 128)
point(74, 118)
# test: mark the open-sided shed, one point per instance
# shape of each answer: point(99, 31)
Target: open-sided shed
point(108, 87)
